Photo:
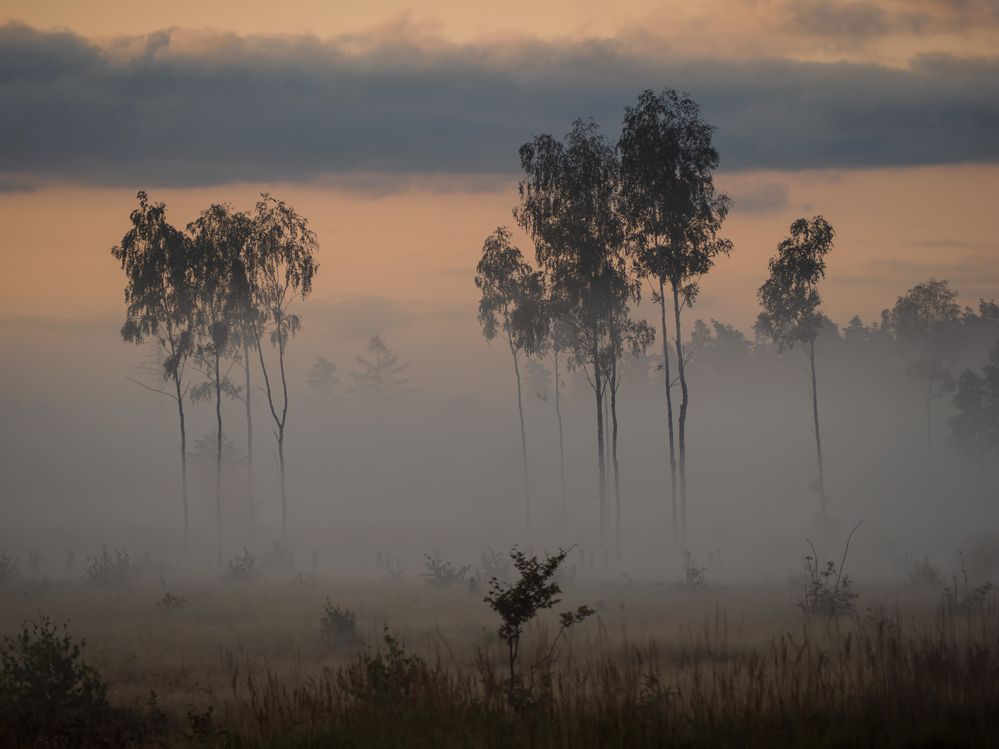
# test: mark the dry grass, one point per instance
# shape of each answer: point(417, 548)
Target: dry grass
point(657, 667)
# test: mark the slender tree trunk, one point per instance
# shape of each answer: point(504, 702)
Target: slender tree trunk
point(281, 425)
point(929, 425)
point(617, 470)
point(601, 464)
point(249, 438)
point(218, 454)
point(183, 461)
point(669, 407)
point(681, 369)
point(818, 434)
point(561, 441)
point(523, 434)
point(279, 421)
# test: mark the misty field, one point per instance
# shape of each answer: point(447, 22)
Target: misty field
point(264, 662)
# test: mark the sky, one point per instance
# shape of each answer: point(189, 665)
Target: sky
point(395, 129)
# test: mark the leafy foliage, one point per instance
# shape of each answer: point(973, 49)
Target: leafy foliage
point(442, 573)
point(338, 625)
point(171, 602)
point(50, 697)
point(827, 591)
point(790, 297)
point(694, 579)
point(387, 678)
point(924, 574)
point(109, 569)
point(519, 602)
point(962, 598)
point(9, 569)
point(242, 567)
point(668, 198)
point(976, 425)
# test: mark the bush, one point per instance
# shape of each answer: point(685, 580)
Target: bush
point(441, 573)
point(693, 575)
point(925, 575)
point(827, 591)
point(49, 697)
point(338, 624)
point(385, 679)
point(9, 570)
point(520, 602)
point(963, 599)
point(171, 602)
point(108, 570)
point(242, 567)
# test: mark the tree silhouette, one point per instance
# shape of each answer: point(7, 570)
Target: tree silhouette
point(791, 301)
point(926, 320)
point(278, 265)
point(673, 213)
point(160, 304)
point(379, 375)
point(559, 342)
point(627, 337)
point(322, 377)
point(976, 425)
point(512, 304)
point(218, 237)
point(567, 205)
point(249, 318)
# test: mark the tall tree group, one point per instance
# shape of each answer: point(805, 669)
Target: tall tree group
point(603, 217)
point(208, 296)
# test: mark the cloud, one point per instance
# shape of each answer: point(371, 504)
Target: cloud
point(180, 108)
point(855, 20)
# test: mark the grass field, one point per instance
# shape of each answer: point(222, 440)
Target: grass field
point(247, 664)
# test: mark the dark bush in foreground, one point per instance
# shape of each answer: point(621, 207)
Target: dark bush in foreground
point(50, 697)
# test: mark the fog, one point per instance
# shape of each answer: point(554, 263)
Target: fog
point(89, 457)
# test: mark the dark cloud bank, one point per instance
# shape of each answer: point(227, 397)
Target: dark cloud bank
point(296, 108)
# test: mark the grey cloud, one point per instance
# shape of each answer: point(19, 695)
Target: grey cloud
point(856, 19)
point(153, 112)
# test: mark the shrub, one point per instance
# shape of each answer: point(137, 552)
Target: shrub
point(338, 624)
point(108, 570)
point(386, 678)
point(520, 602)
point(441, 573)
point(827, 591)
point(925, 575)
point(693, 575)
point(9, 569)
point(171, 602)
point(242, 567)
point(964, 599)
point(49, 697)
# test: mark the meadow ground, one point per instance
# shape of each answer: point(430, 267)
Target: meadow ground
point(248, 664)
